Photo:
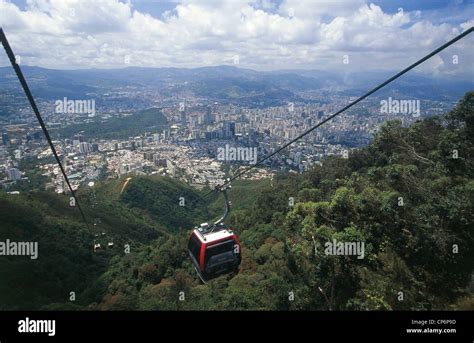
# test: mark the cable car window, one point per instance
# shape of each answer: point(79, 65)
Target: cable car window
point(194, 246)
point(219, 249)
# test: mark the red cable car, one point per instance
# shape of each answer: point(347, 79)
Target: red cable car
point(215, 249)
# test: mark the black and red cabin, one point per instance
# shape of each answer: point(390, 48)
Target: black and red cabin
point(214, 252)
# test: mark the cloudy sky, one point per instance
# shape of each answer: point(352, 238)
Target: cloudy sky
point(257, 34)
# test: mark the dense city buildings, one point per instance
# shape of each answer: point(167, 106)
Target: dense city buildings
point(187, 146)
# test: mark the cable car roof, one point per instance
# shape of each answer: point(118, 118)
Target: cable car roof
point(213, 236)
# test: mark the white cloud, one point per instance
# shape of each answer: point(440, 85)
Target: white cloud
point(295, 34)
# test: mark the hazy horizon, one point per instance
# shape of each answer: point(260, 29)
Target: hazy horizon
point(381, 72)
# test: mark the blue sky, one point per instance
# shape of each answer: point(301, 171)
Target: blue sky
point(433, 8)
point(257, 34)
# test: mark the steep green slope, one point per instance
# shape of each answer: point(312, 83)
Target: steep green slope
point(166, 201)
point(136, 213)
point(66, 262)
point(405, 197)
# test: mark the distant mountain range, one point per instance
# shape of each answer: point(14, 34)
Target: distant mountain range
point(229, 83)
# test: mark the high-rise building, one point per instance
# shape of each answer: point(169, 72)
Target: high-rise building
point(193, 121)
point(159, 162)
point(13, 174)
point(208, 119)
point(85, 147)
point(79, 137)
point(229, 129)
point(5, 139)
point(171, 168)
point(148, 156)
point(37, 135)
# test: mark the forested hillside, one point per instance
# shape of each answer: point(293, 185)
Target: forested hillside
point(151, 119)
point(408, 196)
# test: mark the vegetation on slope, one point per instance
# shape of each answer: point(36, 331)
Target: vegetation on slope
point(408, 196)
point(149, 120)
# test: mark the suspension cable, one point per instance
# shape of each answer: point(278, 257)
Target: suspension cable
point(26, 89)
point(370, 92)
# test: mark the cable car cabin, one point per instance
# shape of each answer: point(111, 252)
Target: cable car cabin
point(215, 252)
